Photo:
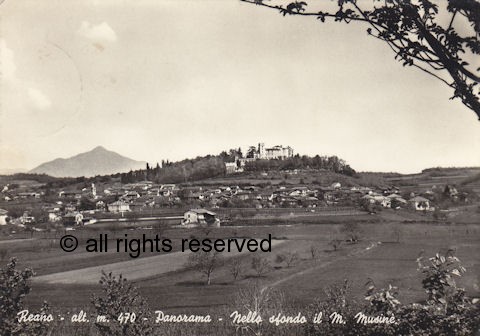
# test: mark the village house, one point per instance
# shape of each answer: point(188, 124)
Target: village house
point(243, 195)
point(232, 167)
point(397, 200)
point(54, 216)
point(375, 198)
point(69, 194)
point(27, 219)
point(53, 212)
point(25, 195)
point(130, 196)
point(420, 203)
point(299, 191)
point(200, 217)
point(169, 186)
point(3, 216)
point(118, 207)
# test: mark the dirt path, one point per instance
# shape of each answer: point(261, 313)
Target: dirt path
point(322, 265)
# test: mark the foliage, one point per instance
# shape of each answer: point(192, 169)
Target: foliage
point(263, 301)
point(14, 287)
point(447, 310)
point(260, 265)
point(331, 163)
point(205, 263)
point(417, 32)
point(352, 231)
point(86, 204)
point(337, 299)
point(177, 172)
point(236, 268)
point(368, 206)
point(439, 283)
point(289, 258)
point(120, 298)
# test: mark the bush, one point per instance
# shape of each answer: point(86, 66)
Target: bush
point(447, 310)
point(14, 287)
point(123, 307)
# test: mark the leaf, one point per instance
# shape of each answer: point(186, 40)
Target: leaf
point(456, 272)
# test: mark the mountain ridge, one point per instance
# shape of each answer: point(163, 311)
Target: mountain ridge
point(98, 161)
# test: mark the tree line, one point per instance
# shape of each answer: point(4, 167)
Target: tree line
point(331, 163)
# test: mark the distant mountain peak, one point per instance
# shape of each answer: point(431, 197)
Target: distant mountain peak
point(98, 161)
point(99, 148)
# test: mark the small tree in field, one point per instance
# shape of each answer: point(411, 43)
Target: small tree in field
point(236, 268)
point(335, 243)
point(260, 265)
point(288, 258)
point(351, 231)
point(122, 306)
point(205, 263)
point(313, 250)
point(263, 301)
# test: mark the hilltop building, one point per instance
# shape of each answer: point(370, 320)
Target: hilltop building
point(259, 153)
point(275, 152)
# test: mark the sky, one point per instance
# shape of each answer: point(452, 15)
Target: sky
point(158, 80)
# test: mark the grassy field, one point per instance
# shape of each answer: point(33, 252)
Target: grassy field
point(386, 254)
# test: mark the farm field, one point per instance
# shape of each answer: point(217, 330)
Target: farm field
point(168, 285)
point(132, 269)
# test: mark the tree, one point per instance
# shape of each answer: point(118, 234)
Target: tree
point(260, 265)
point(86, 204)
point(205, 263)
point(352, 232)
point(236, 268)
point(264, 301)
point(121, 298)
point(14, 287)
point(313, 250)
point(289, 258)
point(336, 243)
point(417, 32)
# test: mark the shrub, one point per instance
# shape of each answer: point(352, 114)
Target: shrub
point(123, 307)
point(14, 287)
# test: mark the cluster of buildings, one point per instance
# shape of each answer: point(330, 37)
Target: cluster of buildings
point(76, 206)
point(260, 152)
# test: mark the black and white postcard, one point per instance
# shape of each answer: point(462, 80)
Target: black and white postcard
point(239, 167)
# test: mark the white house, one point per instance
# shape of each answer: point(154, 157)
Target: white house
point(3, 217)
point(118, 206)
point(200, 217)
point(419, 203)
point(378, 199)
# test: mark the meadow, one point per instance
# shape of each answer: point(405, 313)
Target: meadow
point(385, 253)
